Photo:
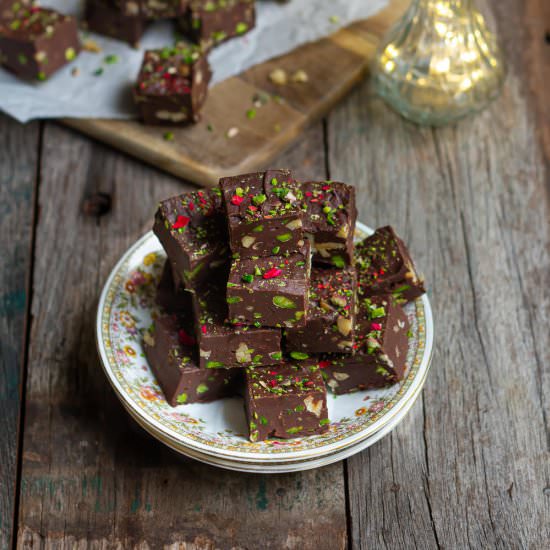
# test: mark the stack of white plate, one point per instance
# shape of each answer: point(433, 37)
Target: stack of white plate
point(216, 433)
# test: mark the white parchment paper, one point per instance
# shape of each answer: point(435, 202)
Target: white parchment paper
point(280, 28)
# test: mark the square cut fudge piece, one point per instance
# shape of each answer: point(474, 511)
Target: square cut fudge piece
point(228, 346)
point(171, 355)
point(172, 85)
point(381, 349)
point(171, 296)
point(211, 22)
point(263, 213)
point(36, 42)
point(329, 221)
point(152, 9)
point(384, 266)
point(102, 17)
point(191, 228)
point(331, 314)
point(286, 401)
point(270, 291)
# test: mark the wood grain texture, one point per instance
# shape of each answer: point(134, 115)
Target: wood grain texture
point(89, 477)
point(334, 66)
point(18, 161)
point(470, 467)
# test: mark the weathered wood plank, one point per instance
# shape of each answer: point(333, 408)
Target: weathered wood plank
point(18, 159)
point(470, 467)
point(88, 477)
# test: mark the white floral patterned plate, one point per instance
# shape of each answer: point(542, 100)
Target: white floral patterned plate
point(218, 429)
point(274, 467)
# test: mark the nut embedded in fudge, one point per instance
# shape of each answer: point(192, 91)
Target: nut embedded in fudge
point(35, 42)
point(169, 349)
point(192, 229)
point(381, 349)
point(171, 296)
point(270, 291)
point(227, 346)
point(152, 9)
point(384, 266)
point(331, 314)
point(211, 22)
point(102, 17)
point(288, 400)
point(172, 85)
point(329, 221)
point(263, 213)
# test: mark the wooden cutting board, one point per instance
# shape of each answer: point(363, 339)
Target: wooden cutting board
point(202, 153)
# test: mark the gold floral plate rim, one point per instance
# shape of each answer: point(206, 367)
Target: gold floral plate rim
point(279, 467)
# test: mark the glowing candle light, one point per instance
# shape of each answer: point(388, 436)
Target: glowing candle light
point(439, 63)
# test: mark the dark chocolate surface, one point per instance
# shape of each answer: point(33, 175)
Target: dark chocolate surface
point(211, 22)
point(286, 401)
point(384, 266)
point(171, 296)
point(263, 213)
point(102, 17)
point(227, 346)
point(331, 314)
point(35, 42)
point(152, 9)
point(380, 350)
point(191, 228)
point(172, 85)
point(170, 353)
point(270, 291)
point(329, 220)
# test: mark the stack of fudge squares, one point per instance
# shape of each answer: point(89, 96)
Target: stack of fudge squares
point(205, 22)
point(264, 295)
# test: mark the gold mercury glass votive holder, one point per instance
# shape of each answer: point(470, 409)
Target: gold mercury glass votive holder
point(439, 63)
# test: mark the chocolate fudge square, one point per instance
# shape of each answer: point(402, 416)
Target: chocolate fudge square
point(102, 17)
point(227, 346)
point(263, 213)
point(381, 349)
point(270, 291)
point(286, 401)
point(35, 42)
point(191, 227)
point(152, 9)
point(331, 314)
point(329, 221)
point(211, 22)
point(384, 266)
point(171, 296)
point(172, 85)
point(169, 349)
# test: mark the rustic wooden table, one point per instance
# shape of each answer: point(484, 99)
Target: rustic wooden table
point(469, 467)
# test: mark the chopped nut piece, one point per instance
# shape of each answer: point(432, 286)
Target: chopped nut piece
point(300, 77)
point(91, 46)
point(148, 339)
point(338, 300)
point(294, 224)
point(278, 76)
point(247, 241)
point(315, 407)
point(244, 353)
point(344, 325)
point(232, 132)
point(343, 232)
